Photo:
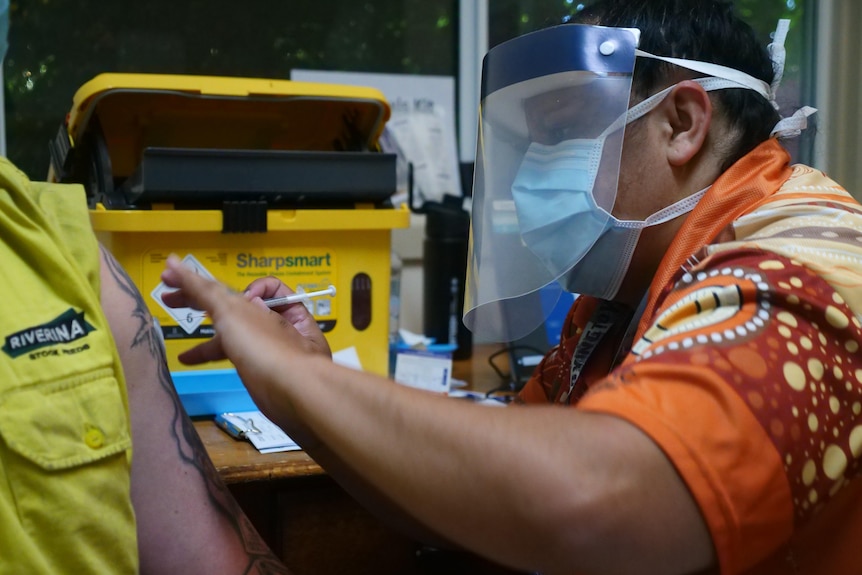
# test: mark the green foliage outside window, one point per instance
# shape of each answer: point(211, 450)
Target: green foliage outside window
point(58, 45)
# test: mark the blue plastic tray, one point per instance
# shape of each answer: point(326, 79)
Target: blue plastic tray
point(207, 392)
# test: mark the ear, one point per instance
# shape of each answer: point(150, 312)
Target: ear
point(688, 112)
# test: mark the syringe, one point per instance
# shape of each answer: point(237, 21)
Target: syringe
point(293, 298)
point(283, 300)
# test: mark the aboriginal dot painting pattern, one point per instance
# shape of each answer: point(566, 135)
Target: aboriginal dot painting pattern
point(788, 344)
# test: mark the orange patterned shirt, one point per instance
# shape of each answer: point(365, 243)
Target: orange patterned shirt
point(745, 367)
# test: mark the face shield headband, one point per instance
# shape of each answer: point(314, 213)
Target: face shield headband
point(724, 77)
point(558, 130)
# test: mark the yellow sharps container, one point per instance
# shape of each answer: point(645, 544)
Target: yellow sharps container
point(242, 178)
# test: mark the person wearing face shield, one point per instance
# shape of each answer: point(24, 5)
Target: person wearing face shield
point(703, 411)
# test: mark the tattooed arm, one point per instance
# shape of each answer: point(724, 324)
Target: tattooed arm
point(188, 521)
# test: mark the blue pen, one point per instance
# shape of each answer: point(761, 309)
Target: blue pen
point(223, 420)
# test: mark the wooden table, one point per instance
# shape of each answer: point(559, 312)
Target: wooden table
point(238, 461)
point(316, 527)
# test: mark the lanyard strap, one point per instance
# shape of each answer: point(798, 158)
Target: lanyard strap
point(604, 319)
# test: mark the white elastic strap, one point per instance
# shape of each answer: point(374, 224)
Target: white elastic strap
point(643, 107)
point(722, 77)
point(778, 55)
point(792, 126)
point(672, 211)
point(744, 80)
point(677, 209)
point(789, 127)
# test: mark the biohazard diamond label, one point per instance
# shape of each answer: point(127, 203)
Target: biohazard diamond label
point(187, 318)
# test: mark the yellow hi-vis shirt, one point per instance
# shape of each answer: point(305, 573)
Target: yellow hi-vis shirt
point(65, 439)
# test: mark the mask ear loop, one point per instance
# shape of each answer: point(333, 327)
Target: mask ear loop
point(644, 107)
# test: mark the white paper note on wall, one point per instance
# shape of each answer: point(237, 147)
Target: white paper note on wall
point(421, 129)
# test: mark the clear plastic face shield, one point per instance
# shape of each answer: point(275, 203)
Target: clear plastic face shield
point(552, 120)
point(547, 166)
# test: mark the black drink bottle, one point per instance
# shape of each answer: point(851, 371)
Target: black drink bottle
point(444, 271)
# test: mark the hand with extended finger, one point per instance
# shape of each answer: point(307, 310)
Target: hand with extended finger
point(259, 341)
point(295, 313)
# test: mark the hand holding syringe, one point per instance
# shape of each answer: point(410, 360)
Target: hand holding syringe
point(292, 298)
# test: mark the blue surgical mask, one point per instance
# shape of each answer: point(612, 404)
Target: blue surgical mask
point(558, 218)
point(604, 266)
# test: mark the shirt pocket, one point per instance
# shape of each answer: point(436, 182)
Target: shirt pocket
point(66, 451)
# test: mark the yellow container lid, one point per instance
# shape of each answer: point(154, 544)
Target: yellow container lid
point(181, 221)
point(136, 111)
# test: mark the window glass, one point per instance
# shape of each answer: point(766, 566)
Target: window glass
point(58, 45)
point(511, 18)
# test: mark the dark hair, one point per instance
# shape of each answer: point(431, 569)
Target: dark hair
point(704, 30)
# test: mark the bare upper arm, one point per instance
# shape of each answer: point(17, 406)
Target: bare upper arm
point(187, 519)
